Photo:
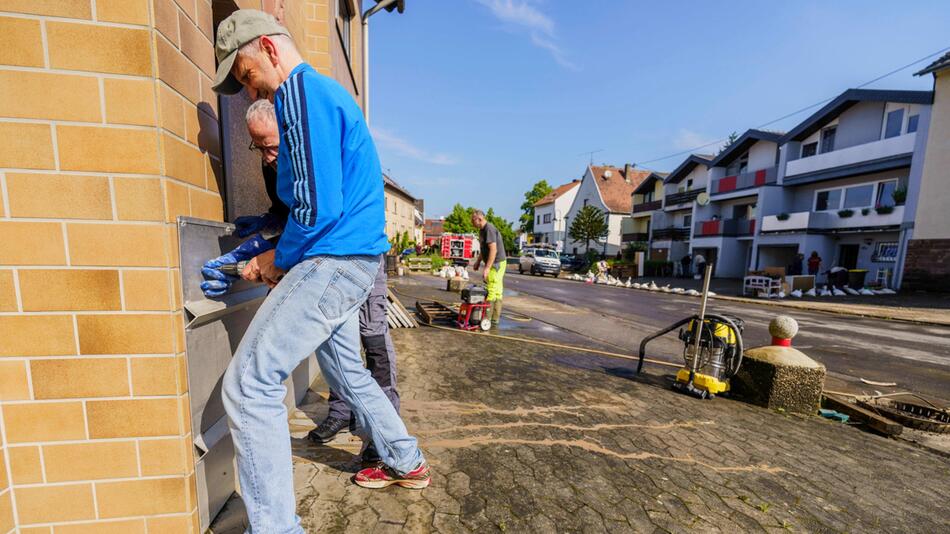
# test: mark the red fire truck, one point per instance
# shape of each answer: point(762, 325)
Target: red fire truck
point(460, 248)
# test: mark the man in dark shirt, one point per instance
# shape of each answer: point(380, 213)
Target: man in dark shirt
point(492, 254)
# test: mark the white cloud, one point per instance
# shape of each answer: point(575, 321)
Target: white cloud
point(391, 141)
point(688, 140)
point(523, 14)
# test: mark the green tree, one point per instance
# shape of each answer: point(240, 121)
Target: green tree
point(537, 192)
point(732, 139)
point(504, 228)
point(589, 224)
point(460, 221)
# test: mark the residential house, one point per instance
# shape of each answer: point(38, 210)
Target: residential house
point(608, 189)
point(927, 264)
point(672, 226)
point(849, 183)
point(725, 228)
point(400, 210)
point(645, 200)
point(113, 132)
point(550, 213)
point(420, 214)
point(432, 231)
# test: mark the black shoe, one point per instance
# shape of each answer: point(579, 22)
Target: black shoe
point(327, 430)
point(370, 457)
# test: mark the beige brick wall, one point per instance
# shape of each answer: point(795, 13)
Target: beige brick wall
point(111, 133)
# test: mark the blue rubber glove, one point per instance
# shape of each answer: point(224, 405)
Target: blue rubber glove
point(251, 224)
point(216, 282)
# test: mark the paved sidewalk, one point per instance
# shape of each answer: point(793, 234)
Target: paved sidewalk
point(529, 439)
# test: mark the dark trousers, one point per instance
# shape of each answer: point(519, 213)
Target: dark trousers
point(377, 345)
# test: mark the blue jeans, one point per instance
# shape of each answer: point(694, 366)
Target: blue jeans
point(314, 307)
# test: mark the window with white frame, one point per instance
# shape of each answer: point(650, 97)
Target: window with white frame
point(809, 149)
point(547, 218)
point(885, 251)
point(738, 165)
point(912, 123)
point(828, 139)
point(894, 121)
point(867, 195)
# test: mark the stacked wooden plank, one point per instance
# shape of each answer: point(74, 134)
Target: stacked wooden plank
point(420, 264)
point(396, 313)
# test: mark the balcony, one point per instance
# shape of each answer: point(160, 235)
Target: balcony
point(746, 180)
point(672, 233)
point(645, 207)
point(634, 237)
point(875, 152)
point(682, 198)
point(725, 227)
point(831, 222)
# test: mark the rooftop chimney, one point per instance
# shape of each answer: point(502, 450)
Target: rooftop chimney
point(627, 171)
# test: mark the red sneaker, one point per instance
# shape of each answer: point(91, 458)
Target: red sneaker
point(381, 476)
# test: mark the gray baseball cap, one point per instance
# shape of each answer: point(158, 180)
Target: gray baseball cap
point(240, 28)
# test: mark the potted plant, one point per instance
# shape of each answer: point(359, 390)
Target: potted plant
point(899, 195)
point(865, 211)
point(884, 210)
point(844, 214)
point(782, 216)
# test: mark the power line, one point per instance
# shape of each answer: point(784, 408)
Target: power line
point(796, 112)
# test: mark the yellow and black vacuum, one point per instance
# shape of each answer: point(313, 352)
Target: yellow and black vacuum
point(712, 350)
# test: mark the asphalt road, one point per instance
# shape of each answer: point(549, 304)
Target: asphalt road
point(916, 357)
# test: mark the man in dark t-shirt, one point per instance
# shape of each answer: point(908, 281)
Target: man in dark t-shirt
point(492, 254)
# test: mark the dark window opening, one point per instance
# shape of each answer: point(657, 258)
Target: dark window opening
point(809, 149)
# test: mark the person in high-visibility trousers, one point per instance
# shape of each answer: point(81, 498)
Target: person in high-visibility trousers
point(492, 254)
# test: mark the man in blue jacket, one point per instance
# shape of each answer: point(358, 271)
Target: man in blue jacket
point(322, 270)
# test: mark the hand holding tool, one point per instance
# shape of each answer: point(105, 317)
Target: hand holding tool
point(218, 271)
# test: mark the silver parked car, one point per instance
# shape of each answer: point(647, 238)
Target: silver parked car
point(539, 261)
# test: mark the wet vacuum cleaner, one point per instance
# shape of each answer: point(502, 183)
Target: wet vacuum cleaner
point(712, 350)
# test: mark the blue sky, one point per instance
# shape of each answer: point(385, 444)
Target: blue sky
point(473, 101)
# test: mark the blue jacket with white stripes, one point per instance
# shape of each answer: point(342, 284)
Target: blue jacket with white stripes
point(328, 172)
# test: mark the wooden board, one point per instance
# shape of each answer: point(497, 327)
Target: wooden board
point(874, 420)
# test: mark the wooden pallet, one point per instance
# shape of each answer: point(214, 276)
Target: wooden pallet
point(436, 313)
point(396, 314)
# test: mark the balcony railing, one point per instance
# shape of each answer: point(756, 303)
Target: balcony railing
point(634, 237)
point(673, 233)
point(745, 180)
point(647, 206)
point(830, 221)
point(725, 227)
point(682, 198)
point(867, 152)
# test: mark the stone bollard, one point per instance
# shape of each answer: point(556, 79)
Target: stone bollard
point(778, 376)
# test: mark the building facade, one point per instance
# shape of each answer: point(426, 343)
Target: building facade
point(849, 183)
point(927, 264)
point(608, 189)
point(401, 212)
point(725, 228)
point(550, 214)
point(113, 132)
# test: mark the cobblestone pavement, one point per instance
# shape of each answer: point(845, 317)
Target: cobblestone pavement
point(533, 439)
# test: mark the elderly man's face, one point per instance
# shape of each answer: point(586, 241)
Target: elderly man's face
point(265, 139)
point(257, 71)
point(478, 221)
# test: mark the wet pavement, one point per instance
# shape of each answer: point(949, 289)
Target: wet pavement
point(525, 438)
point(916, 357)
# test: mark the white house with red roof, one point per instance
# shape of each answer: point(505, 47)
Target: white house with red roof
point(550, 213)
point(608, 189)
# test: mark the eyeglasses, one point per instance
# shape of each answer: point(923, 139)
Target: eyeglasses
point(262, 149)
